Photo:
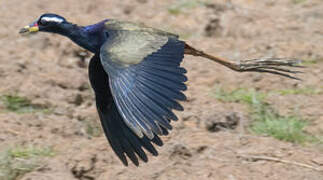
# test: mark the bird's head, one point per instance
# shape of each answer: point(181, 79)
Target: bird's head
point(45, 23)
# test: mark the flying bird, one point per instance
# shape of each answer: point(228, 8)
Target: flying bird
point(137, 78)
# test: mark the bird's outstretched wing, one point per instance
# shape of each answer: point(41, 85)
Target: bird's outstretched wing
point(146, 79)
point(121, 138)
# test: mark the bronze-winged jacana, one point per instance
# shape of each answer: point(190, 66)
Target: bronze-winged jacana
point(137, 79)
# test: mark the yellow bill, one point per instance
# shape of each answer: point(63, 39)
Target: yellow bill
point(29, 29)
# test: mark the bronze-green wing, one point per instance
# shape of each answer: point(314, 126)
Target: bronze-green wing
point(145, 76)
point(113, 24)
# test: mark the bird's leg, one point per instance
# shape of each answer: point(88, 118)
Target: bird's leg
point(266, 65)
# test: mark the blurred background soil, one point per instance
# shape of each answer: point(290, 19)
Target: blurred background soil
point(235, 126)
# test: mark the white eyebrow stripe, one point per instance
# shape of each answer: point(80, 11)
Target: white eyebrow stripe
point(52, 19)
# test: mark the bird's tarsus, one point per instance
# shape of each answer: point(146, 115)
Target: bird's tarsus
point(263, 65)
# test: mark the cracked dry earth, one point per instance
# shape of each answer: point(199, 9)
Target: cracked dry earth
point(52, 72)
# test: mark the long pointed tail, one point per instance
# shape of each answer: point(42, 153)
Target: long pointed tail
point(264, 65)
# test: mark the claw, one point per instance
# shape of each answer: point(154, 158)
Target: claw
point(284, 70)
point(275, 62)
point(271, 65)
point(276, 72)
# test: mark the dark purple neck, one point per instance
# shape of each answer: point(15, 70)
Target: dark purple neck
point(89, 37)
point(95, 27)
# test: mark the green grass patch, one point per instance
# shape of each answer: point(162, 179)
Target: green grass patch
point(304, 91)
point(93, 129)
point(19, 104)
point(287, 128)
point(240, 95)
point(30, 152)
point(183, 5)
point(310, 62)
point(298, 1)
point(15, 162)
point(265, 119)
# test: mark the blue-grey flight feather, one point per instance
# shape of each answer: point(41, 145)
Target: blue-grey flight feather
point(146, 79)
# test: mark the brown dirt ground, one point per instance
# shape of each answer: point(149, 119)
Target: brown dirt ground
point(45, 69)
